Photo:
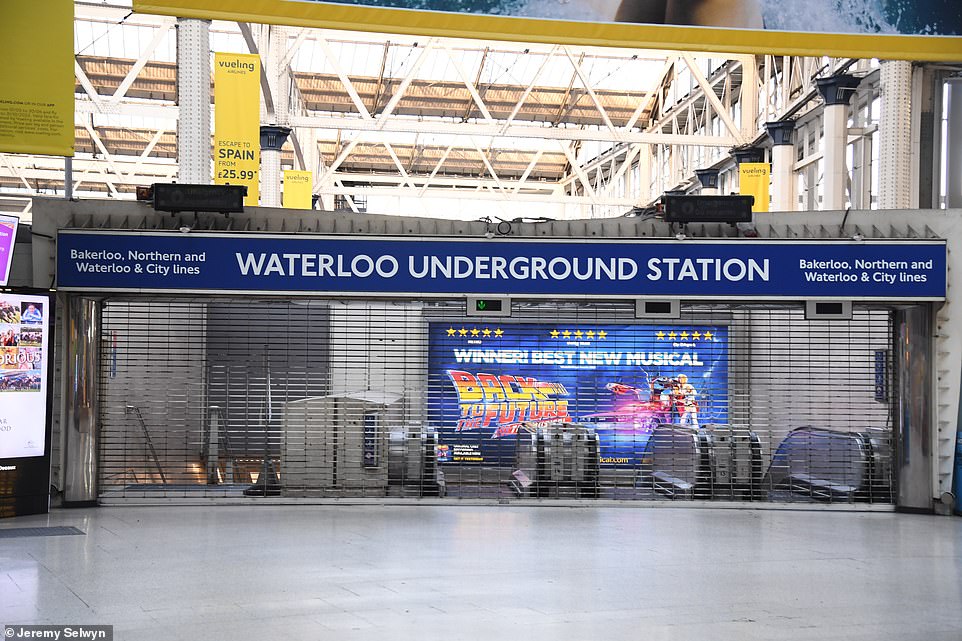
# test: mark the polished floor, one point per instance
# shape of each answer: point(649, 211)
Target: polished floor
point(393, 573)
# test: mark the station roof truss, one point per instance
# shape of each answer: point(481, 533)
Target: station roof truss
point(410, 116)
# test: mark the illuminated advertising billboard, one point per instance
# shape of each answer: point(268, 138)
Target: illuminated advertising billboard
point(8, 238)
point(24, 340)
point(897, 29)
point(487, 382)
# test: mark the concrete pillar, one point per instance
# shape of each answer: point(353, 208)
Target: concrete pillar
point(953, 147)
point(837, 92)
point(275, 132)
point(709, 181)
point(273, 138)
point(193, 101)
point(783, 161)
point(895, 135)
point(644, 175)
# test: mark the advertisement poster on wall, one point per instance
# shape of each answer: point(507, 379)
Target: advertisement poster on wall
point(237, 149)
point(37, 76)
point(24, 337)
point(487, 382)
point(896, 29)
point(8, 237)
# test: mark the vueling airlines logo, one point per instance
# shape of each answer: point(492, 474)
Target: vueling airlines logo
point(236, 64)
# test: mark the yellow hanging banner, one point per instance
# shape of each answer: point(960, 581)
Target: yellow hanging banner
point(36, 77)
point(237, 115)
point(753, 180)
point(298, 188)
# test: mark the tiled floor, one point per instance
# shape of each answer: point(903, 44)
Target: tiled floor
point(477, 572)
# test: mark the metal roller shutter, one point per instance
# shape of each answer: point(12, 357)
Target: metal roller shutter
point(234, 397)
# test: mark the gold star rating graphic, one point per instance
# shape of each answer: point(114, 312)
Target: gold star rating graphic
point(555, 333)
point(452, 331)
point(696, 335)
point(475, 331)
point(486, 332)
point(708, 336)
point(590, 334)
point(463, 332)
point(498, 333)
point(683, 335)
point(566, 334)
point(660, 336)
point(602, 335)
point(579, 333)
point(672, 335)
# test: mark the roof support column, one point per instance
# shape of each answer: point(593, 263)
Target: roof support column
point(783, 160)
point(895, 135)
point(837, 91)
point(193, 99)
point(953, 147)
point(275, 130)
point(709, 181)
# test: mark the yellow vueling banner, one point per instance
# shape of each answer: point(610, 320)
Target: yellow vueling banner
point(237, 117)
point(298, 188)
point(753, 180)
point(36, 77)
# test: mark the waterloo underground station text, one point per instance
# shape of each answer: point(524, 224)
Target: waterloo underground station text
point(501, 268)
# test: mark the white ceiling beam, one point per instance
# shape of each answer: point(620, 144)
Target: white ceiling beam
point(437, 168)
point(648, 94)
point(156, 109)
point(267, 88)
point(405, 178)
point(343, 77)
point(292, 50)
point(341, 157)
point(419, 126)
point(145, 154)
point(88, 87)
point(591, 92)
point(142, 60)
point(440, 182)
point(582, 175)
point(712, 98)
point(527, 91)
point(17, 171)
point(488, 167)
point(385, 115)
point(527, 171)
point(108, 157)
point(481, 193)
point(92, 175)
point(469, 83)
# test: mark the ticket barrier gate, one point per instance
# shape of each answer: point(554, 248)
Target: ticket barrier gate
point(352, 446)
point(558, 461)
point(708, 462)
point(413, 468)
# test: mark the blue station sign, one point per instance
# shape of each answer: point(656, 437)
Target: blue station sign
point(192, 262)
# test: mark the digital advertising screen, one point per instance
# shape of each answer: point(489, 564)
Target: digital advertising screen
point(489, 381)
point(8, 237)
point(24, 341)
